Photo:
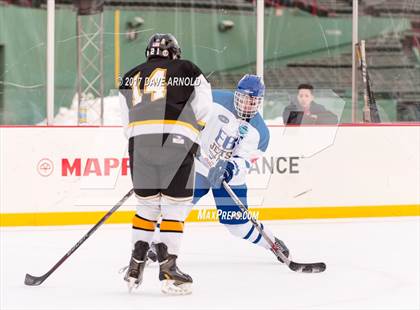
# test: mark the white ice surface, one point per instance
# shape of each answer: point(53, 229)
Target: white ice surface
point(371, 264)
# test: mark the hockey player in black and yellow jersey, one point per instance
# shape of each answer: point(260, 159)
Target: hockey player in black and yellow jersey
point(165, 102)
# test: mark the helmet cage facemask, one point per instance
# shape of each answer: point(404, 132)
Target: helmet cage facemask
point(247, 106)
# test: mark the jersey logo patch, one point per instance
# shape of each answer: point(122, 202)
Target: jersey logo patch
point(223, 119)
point(243, 130)
point(222, 146)
point(178, 140)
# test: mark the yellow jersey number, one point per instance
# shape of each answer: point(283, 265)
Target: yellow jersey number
point(154, 84)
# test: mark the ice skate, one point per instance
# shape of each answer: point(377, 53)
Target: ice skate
point(134, 274)
point(174, 281)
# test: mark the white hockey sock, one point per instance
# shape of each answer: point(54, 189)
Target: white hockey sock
point(144, 221)
point(156, 234)
point(174, 212)
point(248, 232)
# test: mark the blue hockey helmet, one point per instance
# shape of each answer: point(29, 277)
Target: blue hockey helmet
point(249, 96)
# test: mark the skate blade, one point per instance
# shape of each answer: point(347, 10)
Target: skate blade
point(169, 288)
point(132, 284)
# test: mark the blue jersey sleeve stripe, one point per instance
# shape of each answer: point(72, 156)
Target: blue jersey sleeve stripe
point(258, 123)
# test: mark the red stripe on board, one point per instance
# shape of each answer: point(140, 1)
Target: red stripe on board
point(413, 124)
point(56, 126)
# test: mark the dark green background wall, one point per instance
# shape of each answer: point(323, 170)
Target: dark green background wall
point(1, 70)
point(289, 36)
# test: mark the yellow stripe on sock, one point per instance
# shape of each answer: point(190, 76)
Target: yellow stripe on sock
point(171, 226)
point(142, 223)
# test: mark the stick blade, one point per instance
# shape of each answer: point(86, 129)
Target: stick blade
point(308, 268)
point(33, 281)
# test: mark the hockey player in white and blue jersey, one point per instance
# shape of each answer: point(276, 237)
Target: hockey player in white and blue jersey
point(234, 137)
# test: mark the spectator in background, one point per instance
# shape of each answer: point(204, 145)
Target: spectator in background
point(306, 111)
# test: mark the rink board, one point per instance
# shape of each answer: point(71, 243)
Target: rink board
point(72, 175)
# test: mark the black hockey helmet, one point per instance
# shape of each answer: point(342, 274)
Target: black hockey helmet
point(163, 45)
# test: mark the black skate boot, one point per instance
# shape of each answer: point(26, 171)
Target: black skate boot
point(134, 274)
point(174, 281)
point(282, 247)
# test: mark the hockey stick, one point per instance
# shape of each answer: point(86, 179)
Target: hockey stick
point(34, 281)
point(298, 267)
point(370, 109)
point(375, 118)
